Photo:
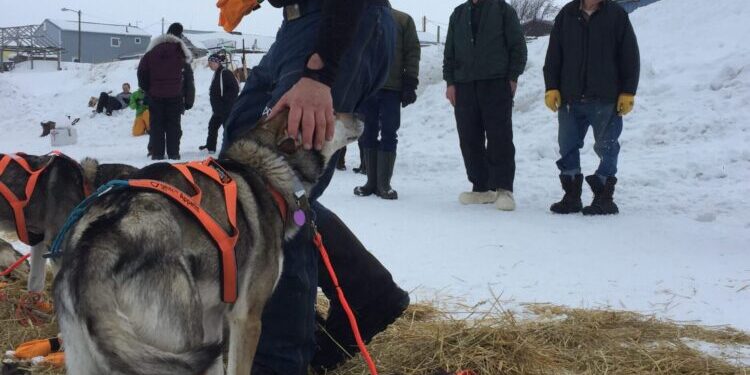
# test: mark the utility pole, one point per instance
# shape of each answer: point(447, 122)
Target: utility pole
point(80, 54)
point(162, 26)
point(80, 57)
point(424, 24)
point(438, 40)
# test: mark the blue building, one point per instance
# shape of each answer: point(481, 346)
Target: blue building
point(100, 42)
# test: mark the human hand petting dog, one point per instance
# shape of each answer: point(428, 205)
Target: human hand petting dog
point(310, 109)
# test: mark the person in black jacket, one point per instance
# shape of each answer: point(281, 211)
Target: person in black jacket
point(591, 73)
point(222, 93)
point(165, 74)
point(328, 54)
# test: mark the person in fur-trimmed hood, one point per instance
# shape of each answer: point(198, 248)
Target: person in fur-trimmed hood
point(165, 74)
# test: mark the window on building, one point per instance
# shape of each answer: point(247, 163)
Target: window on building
point(114, 42)
point(137, 40)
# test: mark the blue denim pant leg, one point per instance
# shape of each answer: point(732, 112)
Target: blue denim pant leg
point(287, 338)
point(572, 128)
point(370, 110)
point(574, 121)
point(607, 126)
point(382, 119)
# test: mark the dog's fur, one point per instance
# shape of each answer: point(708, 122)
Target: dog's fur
point(93, 101)
point(9, 256)
point(58, 190)
point(139, 289)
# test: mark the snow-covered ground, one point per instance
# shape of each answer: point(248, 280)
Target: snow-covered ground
point(680, 247)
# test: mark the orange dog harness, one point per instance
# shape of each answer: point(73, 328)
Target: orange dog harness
point(16, 204)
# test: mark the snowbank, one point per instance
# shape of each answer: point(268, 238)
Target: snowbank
point(678, 249)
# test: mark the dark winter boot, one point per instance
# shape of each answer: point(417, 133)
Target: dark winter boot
point(341, 163)
point(377, 301)
point(362, 169)
point(47, 128)
point(571, 201)
point(386, 161)
point(603, 203)
point(371, 163)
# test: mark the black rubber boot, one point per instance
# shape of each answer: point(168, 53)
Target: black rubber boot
point(571, 201)
point(603, 203)
point(371, 163)
point(386, 161)
point(376, 300)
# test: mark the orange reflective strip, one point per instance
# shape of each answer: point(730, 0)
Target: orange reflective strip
point(18, 205)
point(280, 202)
point(224, 241)
point(198, 197)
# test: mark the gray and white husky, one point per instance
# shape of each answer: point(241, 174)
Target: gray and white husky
point(139, 291)
point(58, 191)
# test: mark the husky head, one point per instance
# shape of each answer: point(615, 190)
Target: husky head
point(271, 135)
point(93, 102)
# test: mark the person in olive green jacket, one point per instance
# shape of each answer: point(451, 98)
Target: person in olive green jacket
point(383, 113)
point(485, 53)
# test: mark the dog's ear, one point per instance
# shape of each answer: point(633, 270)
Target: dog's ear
point(287, 146)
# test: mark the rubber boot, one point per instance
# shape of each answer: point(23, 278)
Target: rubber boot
point(571, 201)
point(376, 300)
point(603, 203)
point(371, 163)
point(386, 161)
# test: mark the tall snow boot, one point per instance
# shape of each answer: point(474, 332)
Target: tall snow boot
point(386, 161)
point(571, 201)
point(603, 203)
point(371, 163)
point(375, 298)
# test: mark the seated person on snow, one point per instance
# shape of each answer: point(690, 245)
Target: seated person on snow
point(112, 103)
point(141, 124)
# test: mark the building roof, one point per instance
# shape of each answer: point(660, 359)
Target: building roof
point(211, 40)
point(99, 28)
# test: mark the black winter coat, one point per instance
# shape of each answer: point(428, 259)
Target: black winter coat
point(224, 90)
point(597, 58)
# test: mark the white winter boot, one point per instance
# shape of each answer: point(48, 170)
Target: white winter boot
point(474, 197)
point(505, 201)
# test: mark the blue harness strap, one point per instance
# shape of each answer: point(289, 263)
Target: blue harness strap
point(55, 250)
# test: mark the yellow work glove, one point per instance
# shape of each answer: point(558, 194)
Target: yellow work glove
point(552, 100)
point(232, 11)
point(625, 104)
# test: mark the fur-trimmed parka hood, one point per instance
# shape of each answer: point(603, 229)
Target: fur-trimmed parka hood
point(169, 38)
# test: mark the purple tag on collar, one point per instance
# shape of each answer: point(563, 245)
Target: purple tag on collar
point(300, 218)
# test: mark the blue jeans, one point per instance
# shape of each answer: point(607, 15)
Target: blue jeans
point(382, 117)
point(575, 119)
point(287, 341)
